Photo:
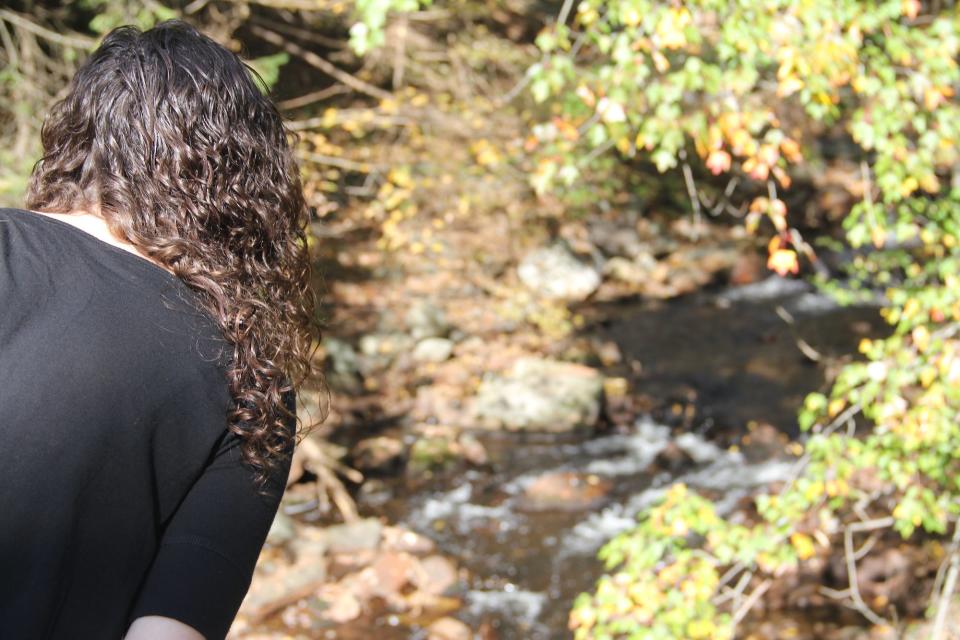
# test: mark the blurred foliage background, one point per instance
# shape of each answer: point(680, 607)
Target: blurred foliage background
point(822, 132)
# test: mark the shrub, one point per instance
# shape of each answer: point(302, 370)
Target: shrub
point(745, 91)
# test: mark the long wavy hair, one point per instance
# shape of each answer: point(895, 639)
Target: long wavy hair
point(172, 139)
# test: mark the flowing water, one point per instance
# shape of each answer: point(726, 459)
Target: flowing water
point(728, 352)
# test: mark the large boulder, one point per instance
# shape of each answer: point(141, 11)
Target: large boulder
point(555, 272)
point(539, 395)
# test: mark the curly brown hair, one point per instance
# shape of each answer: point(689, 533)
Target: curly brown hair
point(170, 137)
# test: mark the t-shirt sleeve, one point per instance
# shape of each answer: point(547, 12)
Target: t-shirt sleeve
point(209, 549)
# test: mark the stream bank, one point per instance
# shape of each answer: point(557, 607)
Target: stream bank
point(704, 390)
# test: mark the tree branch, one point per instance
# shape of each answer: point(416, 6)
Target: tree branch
point(319, 63)
point(74, 41)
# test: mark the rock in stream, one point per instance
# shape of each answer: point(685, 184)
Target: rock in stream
point(540, 395)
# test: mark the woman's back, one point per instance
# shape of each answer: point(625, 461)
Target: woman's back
point(124, 494)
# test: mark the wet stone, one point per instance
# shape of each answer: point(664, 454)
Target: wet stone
point(436, 575)
point(673, 458)
point(377, 454)
point(539, 395)
point(345, 364)
point(448, 629)
point(472, 449)
point(354, 536)
point(341, 604)
point(617, 239)
point(281, 530)
point(748, 268)
point(380, 349)
point(426, 320)
point(433, 350)
point(431, 453)
point(400, 539)
point(636, 272)
point(392, 570)
point(565, 491)
point(555, 272)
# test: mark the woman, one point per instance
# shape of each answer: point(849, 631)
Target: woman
point(155, 318)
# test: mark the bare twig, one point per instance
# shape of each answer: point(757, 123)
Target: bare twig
point(949, 585)
point(730, 573)
point(343, 115)
point(735, 593)
point(836, 594)
point(723, 201)
point(596, 151)
point(318, 62)
point(855, 596)
point(312, 97)
point(866, 547)
point(322, 460)
point(399, 52)
point(298, 32)
point(295, 5)
point(341, 163)
point(75, 41)
point(751, 600)
point(871, 525)
point(804, 346)
point(694, 196)
point(564, 11)
point(195, 6)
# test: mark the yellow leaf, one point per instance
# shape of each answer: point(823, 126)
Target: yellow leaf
point(878, 235)
point(835, 407)
point(660, 62)
point(908, 186)
point(329, 118)
point(701, 629)
point(930, 183)
point(803, 544)
point(788, 86)
point(671, 26)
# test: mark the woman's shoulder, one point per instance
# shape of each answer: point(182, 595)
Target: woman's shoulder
point(119, 305)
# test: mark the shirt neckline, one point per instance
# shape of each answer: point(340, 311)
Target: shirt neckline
point(144, 264)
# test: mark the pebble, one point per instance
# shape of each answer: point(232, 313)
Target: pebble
point(448, 629)
point(433, 350)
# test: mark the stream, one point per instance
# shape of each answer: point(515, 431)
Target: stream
point(727, 352)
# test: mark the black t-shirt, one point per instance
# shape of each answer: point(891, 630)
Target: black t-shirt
point(123, 494)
